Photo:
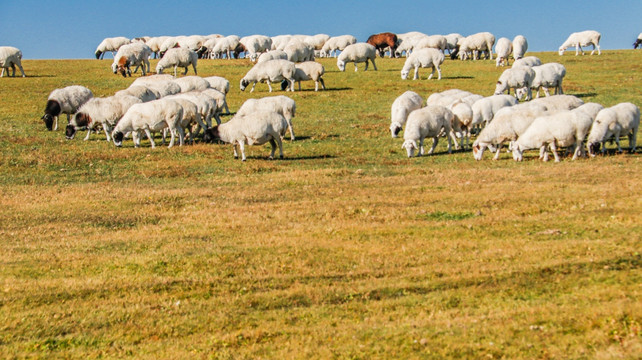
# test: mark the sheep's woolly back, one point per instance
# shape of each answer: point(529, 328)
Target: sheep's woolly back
point(274, 70)
point(520, 45)
point(141, 92)
point(280, 104)
point(358, 52)
point(9, 55)
point(427, 122)
point(219, 83)
point(177, 57)
point(70, 98)
point(107, 110)
point(528, 61)
point(272, 55)
point(559, 102)
point(622, 117)
point(191, 83)
point(402, 106)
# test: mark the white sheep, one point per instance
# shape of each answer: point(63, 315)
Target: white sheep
point(255, 45)
point(221, 84)
point(104, 112)
point(141, 92)
point(449, 97)
point(190, 116)
point(178, 57)
point(401, 107)
point(621, 119)
point(128, 55)
point(562, 129)
point(451, 41)
point(169, 43)
point(638, 41)
point(280, 104)
point(583, 38)
point(516, 78)
point(298, 51)
point(192, 42)
point(357, 53)
point(426, 57)
point(406, 42)
point(430, 121)
point(462, 123)
point(280, 41)
point(10, 57)
point(155, 43)
point(527, 61)
point(503, 48)
point(309, 70)
point(149, 117)
point(64, 101)
point(433, 42)
point(317, 41)
point(476, 43)
point(255, 128)
point(485, 109)
point(337, 43)
point(546, 75)
point(162, 83)
point(205, 105)
point(227, 46)
point(520, 45)
point(110, 44)
point(220, 103)
point(205, 52)
point(270, 71)
point(507, 125)
point(192, 83)
point(559, 102)
point(272, 55)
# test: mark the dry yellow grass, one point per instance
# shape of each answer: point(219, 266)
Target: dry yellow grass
point(346, 249)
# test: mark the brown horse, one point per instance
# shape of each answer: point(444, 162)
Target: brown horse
point(382, 41)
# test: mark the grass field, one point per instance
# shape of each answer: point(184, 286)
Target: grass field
point(344, 249)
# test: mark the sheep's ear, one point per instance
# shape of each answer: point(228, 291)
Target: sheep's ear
point(499, 83)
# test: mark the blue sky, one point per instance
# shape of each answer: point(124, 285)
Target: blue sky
point(72, 29)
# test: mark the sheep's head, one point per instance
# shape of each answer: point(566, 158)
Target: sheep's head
point(404, 74)
point(123, 67)
point(518, 152)
point(395, 128)
point(593, 148)
point(98, 53)
point(211, 135)
point(159, 69)
point(561, 50)
point(478, 150)
point(49, 120)
point(117, 136)
point(70, 132)
point(410, 146)
point(500, 87)
point(341, 65)
point(244, 84)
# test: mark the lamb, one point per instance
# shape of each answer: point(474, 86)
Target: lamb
point(618, 120)
point(221, 84)
point(547, 75)
point(151, 116)
point(507, 125)
point(503, 48)
point(64, 101)
point(270, 71)
point(516, 78)
point(110, 44)
point(520, 45)
point(255, 128)
point(337, 43)
point(527, 61)
point(567, 128)
point(579, 39)
point(309, 70)
point(476, 43)
point(429, 121)
point(132, 54)
point(105, 112)
point(433, 42)
point(357, 53)
point(272, 55)
point(255, 45)
point(298, 51)
point(401, 107)
point(178, 57)
point(191, 83)
point(144, 93)
point(10, 57)
point(485, 109)
point(280, 104)
point(426, 57)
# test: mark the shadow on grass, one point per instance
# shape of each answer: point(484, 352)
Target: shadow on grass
point(298, 138)
point(457, 77)
point(583, 95)
point(291, 158)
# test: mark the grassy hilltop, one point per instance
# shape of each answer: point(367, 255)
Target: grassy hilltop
point(345, 249)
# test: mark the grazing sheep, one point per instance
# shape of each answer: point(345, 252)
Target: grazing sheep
point(357, 53)
point(272, 55)
point(382, 41)
point(317, 41)
point(163, 84)
point(407, 42)
point(298, 51)
point(280, 104)
point(520, 45)
point(527, 61)
point(562, 129)
point(10, 57)
point(432, 42)
point(547, 75)
point(280, 41)
point(191, 116)
point(449, 97)
point(476, 43)
point(105, 112)
point(424, 58)
point(255, 45)
point(221, 84)
point(192, 83)
point(579, 39)
point(110, 44)
point(151, 116)
point(461, 123)
point(516, 78)
point(451, 41)
point(507, 125)
point(132, 54)
point(337, 43)
point(226, 46)
point(559, 102)
point(503, 48)
point(309, 70)
point(270, 71)
point(64, 101)
point(485, 109)
point(205, 52)
point(255, 128)
point(430, 121)
point(178, 57)
point(155, 43)
point(621, 119)
point(205, 105)
point(220, 103)
point(638, 41)
point(401, 107)
point(141, 92)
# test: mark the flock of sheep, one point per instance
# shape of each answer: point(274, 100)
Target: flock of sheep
point(179, 105)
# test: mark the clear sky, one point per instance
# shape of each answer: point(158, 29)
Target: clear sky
point(72, 29)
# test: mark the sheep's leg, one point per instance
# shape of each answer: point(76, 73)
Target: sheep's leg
point(2, 74)
point(172, 136)
point(593, 52)
point(322, 83)
point(373, 64)
point(107, 130)
point(194, 67)
point(291, 130)
point(88, 133)
point(617, 141)
point(496, 157)
point(435, 140)
point(175, 67)
point(279, 142)
point(273, 145)
point(187, 68)
point(438, 72)
point(421, 147)
point(227, 109)
point(542, 151)
point(454, 137)
point(578, 150)
point(269, 85)
point(356, 68)
point(633, 140)
point(242, 147)
point(150, 137)
point(13, 67)
point(417, 73)
point(55, 123)
point(546, 92)
point(253, 85)
point(554, 151)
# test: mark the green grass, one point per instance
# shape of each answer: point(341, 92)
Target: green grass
point(345, 249)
